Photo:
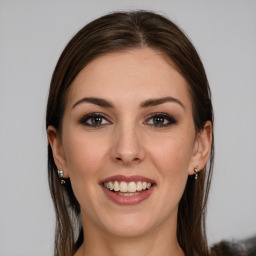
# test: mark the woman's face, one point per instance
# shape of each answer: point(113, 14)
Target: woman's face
point(128, 142)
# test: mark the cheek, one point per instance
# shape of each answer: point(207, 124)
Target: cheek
point(84, 154)
point(85, 158)
point(171, 155)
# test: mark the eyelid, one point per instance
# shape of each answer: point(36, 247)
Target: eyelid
point(170, 118)
point(85, 117)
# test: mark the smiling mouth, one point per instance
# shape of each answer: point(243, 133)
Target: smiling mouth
point(132, 188)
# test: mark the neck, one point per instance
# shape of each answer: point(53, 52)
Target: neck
point(156, 242)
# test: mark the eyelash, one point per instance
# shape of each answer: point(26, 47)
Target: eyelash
point(165, 117)
point(167, 120)
point(84, 120)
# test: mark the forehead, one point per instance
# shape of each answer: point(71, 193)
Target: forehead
point(136, 74)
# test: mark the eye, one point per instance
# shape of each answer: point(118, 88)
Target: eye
point(161, 120)
point(94, 120)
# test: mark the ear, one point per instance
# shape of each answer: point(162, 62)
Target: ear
point(202, 148)
point(57, 149)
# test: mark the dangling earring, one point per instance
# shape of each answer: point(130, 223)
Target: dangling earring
point(60, 174)
point(196, 173)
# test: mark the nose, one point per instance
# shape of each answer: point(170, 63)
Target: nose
point(128, 145)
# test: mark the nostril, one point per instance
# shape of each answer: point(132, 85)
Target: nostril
point(136, 159)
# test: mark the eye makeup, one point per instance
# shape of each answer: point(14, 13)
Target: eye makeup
point(94, 120)
point(156, 120)
point(159, 120)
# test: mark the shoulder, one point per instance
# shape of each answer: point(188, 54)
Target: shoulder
point(239, 248)
point(225, 248)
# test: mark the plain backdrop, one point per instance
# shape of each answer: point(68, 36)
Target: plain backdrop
point(32, 36)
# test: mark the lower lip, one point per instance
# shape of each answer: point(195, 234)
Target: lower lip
point(128, 200)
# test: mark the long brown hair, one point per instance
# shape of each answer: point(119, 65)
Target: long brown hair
point(115, 32)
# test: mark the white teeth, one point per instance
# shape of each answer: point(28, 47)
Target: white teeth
point(123, 186)
point(128, 194)
point(116, 186)
point(139, 186)
point(130, 187)
point(110, 185)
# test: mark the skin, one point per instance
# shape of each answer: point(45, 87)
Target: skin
point(130, 142)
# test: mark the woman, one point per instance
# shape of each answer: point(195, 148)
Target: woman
point(130, 129)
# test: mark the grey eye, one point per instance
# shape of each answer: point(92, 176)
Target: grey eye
point(94, 120)
point(161, 120)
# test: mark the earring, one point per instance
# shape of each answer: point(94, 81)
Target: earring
point(60, 174)
point(196, 173)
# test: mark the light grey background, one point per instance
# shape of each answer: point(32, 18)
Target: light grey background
point(32, 36)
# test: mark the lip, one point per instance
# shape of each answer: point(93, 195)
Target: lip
point(128, 200)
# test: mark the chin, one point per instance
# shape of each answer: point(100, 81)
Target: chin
point(129, 225)
point(129, 231)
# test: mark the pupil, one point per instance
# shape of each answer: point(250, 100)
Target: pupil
point(158, 120)
point(97, 120)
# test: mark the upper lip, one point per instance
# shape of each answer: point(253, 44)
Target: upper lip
point(127, 178)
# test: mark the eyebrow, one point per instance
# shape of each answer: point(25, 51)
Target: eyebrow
point(97, 101)
point(148, 103)
point(155, 102)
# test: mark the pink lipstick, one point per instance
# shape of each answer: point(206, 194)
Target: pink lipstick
point(128, 190)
